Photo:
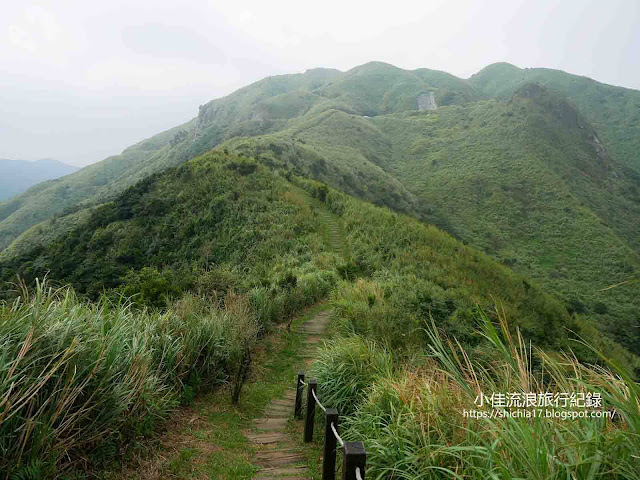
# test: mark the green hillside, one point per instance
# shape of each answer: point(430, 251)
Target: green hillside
point(224, 222)
point(236, 114)
point(528, 181)
point(263, 107)
point(538, 175)
point(614, 111)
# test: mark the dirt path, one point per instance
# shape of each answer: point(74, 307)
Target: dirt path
point(277, 452)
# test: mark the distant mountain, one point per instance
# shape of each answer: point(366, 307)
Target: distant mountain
point(613, 111)
point(16, 176)
point(536, 167)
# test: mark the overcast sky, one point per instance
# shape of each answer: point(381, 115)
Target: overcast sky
point(81, 80)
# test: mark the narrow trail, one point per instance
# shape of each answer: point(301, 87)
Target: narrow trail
point(277, 452)
point(333, 231)
point(214, 439)
point(328, 221)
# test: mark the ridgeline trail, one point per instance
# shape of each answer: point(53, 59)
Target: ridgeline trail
point(328, 222)
point(277, 450)
point(256, 439)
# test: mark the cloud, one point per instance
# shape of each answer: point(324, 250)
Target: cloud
point(22, 39)
point(37, 28)
point(167, 41)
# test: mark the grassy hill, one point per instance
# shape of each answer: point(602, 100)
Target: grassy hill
point(223, 222)
point(263, 107)
point(216, 251)
point(236, 114)
point(538, 175)
point(613, 111)
point(528, 181)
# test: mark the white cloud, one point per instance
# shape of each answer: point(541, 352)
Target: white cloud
point(22, 39)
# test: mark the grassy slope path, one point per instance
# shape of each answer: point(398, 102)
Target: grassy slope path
point(213, 439)
point(328, 222)
point(277, 451)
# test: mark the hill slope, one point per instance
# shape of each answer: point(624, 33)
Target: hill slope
point(222, 221)
point(530, 182)
point(16, 176)
point(527, 177)
point(613, 111)
point(263, 107)
point(527, 180)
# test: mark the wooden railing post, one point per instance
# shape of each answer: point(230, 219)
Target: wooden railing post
point(354, 457)
point(297, 410)
point(330, 442)
point(311, 410)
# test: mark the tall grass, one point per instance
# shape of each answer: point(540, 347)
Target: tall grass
point(346, 368)
point(413, 425)
point(80, 380)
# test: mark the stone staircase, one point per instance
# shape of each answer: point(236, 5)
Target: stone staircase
point(277, 452)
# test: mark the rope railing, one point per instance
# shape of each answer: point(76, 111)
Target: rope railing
point(318, 401)
point(340, 441)
point(354, 457)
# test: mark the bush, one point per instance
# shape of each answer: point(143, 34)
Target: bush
point(346, 368)
point(364, 308)
point(151, 287)
point(413, 424)
point(81, 379)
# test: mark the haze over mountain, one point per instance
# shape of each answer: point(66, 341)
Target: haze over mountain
point(18, 175)
point(535, 167)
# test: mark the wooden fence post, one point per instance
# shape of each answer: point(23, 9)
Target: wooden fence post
point(354, 457)
point(311, 410)
point(330, 442)
point(297, 411)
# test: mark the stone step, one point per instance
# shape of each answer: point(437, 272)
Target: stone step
point(267, 438)
point(286, 472)
point(278, 409)
point(271, 424)
point(278, 458)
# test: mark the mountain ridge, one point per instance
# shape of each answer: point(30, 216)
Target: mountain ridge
point(510, 161)
point(17, 176)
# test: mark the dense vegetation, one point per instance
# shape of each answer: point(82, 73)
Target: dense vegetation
point(409, 409)
point(217, 263)
point(177, 263)
point(224, 216)
point(224, 247)
point(82, 380)
point(526, 180)
point(614, 111)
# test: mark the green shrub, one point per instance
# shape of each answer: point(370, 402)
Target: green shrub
point(346, 368)
point(79, 379)
point(413, 425)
